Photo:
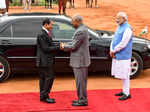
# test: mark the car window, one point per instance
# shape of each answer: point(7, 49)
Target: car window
point(6, 32)
point(26, 28)
point(62, 30)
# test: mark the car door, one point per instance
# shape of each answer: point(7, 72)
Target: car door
point(24, 33)
point(6, 40)
point(99, 52)
point(63, 32)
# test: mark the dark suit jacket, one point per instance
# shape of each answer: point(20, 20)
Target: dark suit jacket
point(45, 50)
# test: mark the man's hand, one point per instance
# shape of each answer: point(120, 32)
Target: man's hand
point(112, 54)
point(61, 46)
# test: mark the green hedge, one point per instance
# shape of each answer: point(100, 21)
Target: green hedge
point(36, 3)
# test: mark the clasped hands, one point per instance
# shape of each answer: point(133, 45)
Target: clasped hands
point(62, 45)
point(112, 54)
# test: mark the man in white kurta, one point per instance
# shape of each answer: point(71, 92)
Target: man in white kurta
point(121, 64)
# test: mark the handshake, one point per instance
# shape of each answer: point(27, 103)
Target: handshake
point(62, 45)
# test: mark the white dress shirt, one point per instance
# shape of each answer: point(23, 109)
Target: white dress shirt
point(45, 30)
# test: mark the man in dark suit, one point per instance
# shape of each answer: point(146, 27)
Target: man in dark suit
point(79, 59)
point(45, 60)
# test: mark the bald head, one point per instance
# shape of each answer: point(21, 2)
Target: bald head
point(77, 20)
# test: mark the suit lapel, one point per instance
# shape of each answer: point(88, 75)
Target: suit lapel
point(45, 33)
point(48, 36)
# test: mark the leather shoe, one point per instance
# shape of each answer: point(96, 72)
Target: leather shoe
point(80, 101)
point(79, 104)
point(75, 101)
point(48, 100)
point(119, 94)
point(125, 97)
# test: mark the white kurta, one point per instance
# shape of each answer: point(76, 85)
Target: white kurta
point(122, 68)
point(2, 4)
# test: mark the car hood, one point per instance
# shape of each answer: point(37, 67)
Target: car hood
point(136, 39)
point(108, 35)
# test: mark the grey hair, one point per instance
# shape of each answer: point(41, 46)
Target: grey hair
point(122, 14)
point(78, 18)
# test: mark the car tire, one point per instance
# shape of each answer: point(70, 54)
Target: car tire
point(4, 69)
point(136, 65)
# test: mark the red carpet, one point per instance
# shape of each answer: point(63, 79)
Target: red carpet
point(99, 101)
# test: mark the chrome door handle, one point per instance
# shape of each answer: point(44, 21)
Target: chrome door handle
point(6, 42)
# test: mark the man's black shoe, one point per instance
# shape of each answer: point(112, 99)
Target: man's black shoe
point(119, 94)
point(125, 97)
point(75, 101)
point(52, 99)
point(79, 104)
point(80, 101)
point(48, 100)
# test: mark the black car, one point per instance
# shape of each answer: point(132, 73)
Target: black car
point(18, 34)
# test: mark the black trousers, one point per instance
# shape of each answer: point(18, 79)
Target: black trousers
point(46, 81)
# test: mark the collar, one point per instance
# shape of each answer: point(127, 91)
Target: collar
point(81, 25)
point(124, 23)
point(45, 30)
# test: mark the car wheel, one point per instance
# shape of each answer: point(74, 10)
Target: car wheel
point(136, 65)
point(4, 69)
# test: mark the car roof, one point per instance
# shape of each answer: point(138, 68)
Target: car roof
point(33, 15)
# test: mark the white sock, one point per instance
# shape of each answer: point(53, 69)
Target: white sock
point(126, 86)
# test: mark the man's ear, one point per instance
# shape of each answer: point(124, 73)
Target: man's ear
point(45, 25)
point(124, 19)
